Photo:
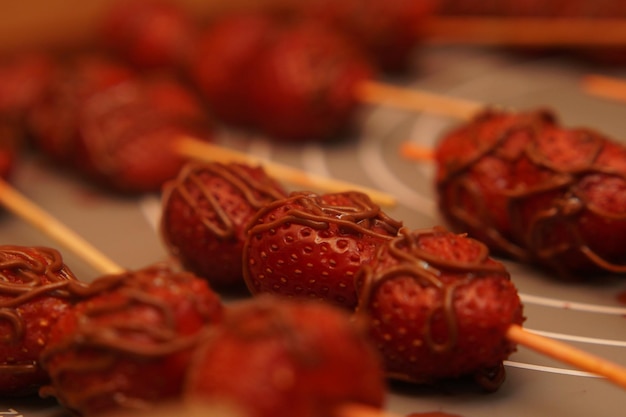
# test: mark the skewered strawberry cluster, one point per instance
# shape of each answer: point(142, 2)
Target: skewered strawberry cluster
point(93, 115)
point(136, 340)
point(536, 191)
point(418, 288)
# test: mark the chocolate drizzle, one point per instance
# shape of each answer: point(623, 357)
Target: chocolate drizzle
point(112, 326)
point(361, 217)
point(256, 192)
point(528, 239)
point(28, 274)
point(426, 269)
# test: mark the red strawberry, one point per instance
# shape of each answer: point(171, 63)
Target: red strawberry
point(311, 246)
point(234, 41)
point(536, 191)
point(54, 118)
point(276, 357)
point(36, 287)
point(128, 345)
point(440, 307)
point(304, 86)
point(205, 212)
point(127, 133)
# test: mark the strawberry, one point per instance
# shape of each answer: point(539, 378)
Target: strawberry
point(54, 117)
point(36, 287)
point(115, 128)
point(440, 307)
point(234, 40)
point(205, 211)
point(311, 246)
point(304, 86)
point(127, 133)
point(128, 343)
point(277, 357)
point(536, 191)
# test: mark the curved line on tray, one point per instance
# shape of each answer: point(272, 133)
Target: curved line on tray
point(370, 156)
point(550, 369)
point(572, 305)
point(581, 339)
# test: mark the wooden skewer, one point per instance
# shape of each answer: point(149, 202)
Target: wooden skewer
point(31, 213)
point(419, 153)
point(414, 100)
point(605, 87)
point(521, 31)
point(568, 354)
point(195, 149)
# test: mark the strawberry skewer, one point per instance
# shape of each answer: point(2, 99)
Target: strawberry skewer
point(304, 223)
point(586, 167)
point(580, 359)
point(103, 306)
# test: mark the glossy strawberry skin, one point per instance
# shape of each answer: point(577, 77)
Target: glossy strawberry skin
point(206, 210)
point(311, 246)
point(440, 307)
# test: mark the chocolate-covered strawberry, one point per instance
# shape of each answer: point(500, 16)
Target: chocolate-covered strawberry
point(278, 357)
point(536, 191)
point(128, 344)
point(440, 307)
point(101, 120)
point(54, 117)
point(311, 246)
point(205, 211)
point(36, 287)
point(126, 134)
